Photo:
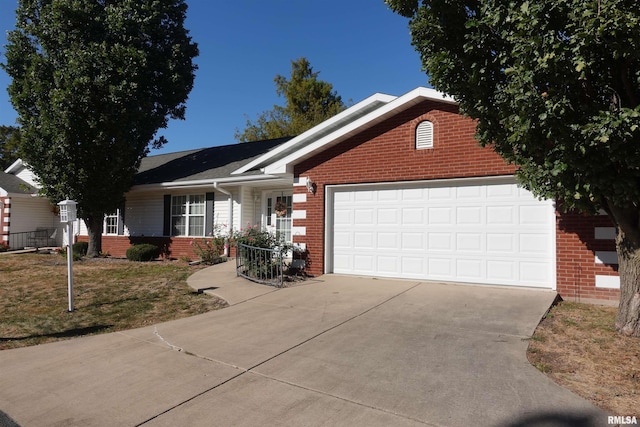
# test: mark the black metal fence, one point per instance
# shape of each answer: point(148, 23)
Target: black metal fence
point(260, 264)
point(40, 238)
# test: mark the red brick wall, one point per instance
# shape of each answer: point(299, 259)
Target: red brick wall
point(171, 247)
point(575, 257)
point(387, 152)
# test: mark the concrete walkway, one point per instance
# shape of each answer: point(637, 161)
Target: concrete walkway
point(334, 351)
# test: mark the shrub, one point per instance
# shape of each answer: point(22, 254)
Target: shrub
point(210, 251)
point(76, 255)
point(80, 248)
point(143, 252)
point(4, 247)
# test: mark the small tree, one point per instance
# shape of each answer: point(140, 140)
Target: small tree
point(554, 86)
point(308, 101)
point(93, 81)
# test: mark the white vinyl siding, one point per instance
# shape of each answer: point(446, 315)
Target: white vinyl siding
point(144, 214)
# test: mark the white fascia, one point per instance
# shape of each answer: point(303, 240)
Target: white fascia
point(205, 182)
point(15, 166)
point(285, 164)
point(304, 137)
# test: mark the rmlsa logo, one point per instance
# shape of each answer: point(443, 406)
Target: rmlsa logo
point(622, 420)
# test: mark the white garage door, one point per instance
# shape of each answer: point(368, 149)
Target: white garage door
point(494, 233)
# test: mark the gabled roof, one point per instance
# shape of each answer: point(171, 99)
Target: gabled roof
point(11, 184)
point(202, 164)
point(363, 115)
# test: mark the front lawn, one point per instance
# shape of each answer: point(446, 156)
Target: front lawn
point(110, 295)
point(577, 346)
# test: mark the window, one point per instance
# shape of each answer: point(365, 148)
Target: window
point(111, 223)
point(187, 215)
point(424, 135)
point(278, 217)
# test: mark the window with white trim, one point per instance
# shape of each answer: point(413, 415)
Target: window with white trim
point(187, 215)
point(424, 135)
point(111, 223)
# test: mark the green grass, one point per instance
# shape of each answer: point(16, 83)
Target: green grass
point(110, 295)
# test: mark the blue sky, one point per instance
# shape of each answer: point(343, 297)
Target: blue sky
point(359, 46)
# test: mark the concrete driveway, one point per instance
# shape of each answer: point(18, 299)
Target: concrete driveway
point(334, 351)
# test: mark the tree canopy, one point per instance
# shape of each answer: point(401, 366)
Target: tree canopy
point(308, 102)
point(9, 146)
point(92, 82)
point(554, 86)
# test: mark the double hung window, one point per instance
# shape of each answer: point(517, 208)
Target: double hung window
point(187, 215)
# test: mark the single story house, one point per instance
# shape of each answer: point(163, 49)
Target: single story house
point(390, 187)
point(27, 219)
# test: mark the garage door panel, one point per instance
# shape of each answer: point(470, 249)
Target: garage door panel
point(479, 233)
point(469, 215)
point(440, 242)
point(499, 271)
point(501, 215)
point(500, 243)
point(469, 242)
point(439, 216)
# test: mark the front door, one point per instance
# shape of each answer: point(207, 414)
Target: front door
point(278, 215)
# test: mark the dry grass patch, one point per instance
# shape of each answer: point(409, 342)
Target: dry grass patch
point(577, 346)
point(109, 295)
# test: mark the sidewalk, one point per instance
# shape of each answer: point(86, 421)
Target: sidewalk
point(222, 281)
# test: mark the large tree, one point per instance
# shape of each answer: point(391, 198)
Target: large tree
point(9, 146)
point(308, 101)
point(93, 81)
point(554, 86)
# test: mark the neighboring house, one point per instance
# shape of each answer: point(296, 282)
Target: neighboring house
point(27, 219)
point(390, 187)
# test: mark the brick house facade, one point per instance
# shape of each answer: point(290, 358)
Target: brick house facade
point(374, 144)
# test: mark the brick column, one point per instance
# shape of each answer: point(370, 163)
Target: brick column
point(5, 219)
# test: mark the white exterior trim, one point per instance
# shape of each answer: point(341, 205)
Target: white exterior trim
point(604, 233)
point(606, 257)
point(608, 282)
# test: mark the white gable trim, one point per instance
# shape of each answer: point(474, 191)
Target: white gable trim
point(363, 107)
point(285, 164)
point(15, 166)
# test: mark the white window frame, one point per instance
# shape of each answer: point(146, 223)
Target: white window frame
point(189, 206)
point(110, 217)
point(272, 222)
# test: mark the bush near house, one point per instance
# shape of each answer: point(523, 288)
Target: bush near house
point(210, 251)
point(80, 248)
point(143, 252)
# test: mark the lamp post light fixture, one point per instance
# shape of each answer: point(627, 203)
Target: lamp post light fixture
point(68, 214)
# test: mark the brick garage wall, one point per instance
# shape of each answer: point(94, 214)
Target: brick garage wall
point(575, 257)
point(387, 152)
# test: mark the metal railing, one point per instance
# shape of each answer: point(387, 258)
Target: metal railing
point(40, 238)
point(260, 265)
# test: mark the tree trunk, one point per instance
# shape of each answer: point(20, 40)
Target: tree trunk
point(94, 228)
point(627, 221)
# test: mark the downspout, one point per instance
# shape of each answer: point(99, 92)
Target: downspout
point(229, 215)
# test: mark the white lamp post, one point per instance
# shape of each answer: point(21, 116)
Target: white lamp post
point(68, 214)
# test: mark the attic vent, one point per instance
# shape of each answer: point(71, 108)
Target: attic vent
point(424, 135)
